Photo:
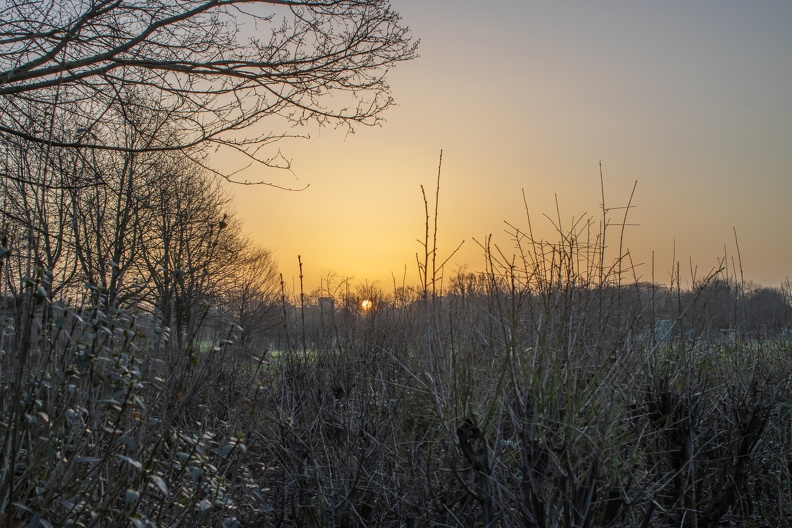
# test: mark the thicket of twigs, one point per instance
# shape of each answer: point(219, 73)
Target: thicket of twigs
point(554, 389)
point(136, 385)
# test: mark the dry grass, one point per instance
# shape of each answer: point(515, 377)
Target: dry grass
point(555, 389)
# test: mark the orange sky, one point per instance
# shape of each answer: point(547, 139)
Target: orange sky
point(691, 100)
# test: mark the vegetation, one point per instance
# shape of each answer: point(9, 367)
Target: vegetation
point(74, 74)
point(553, 389)
point(155, 371)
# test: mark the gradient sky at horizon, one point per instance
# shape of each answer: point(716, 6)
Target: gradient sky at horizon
point(691, 100)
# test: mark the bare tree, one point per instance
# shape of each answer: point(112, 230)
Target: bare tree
point(251, 295)
point(108, 222)
point(188, 248)
point(36, 214)
point(211, 67)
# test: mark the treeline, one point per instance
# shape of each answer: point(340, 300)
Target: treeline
point(152, 233)
point(720, 310)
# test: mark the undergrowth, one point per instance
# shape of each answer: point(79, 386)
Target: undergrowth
point(553, 389)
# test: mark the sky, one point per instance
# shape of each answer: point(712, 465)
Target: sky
point(691, 100)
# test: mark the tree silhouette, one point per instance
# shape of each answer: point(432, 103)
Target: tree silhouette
point(209, 68)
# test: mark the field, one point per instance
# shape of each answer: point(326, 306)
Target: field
point(548, 391)
point(157, 371)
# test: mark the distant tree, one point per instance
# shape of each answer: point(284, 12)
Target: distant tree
point(712, 306)
point(251, 294)
point(767, 311)
point(210, 67)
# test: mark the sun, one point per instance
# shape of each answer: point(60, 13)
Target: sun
point(366, 304)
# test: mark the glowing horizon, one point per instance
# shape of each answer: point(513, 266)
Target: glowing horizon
point(689, 100)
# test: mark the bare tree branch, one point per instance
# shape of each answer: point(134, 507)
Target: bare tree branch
point(214, 68)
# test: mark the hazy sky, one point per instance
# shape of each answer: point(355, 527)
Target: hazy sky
point(691, 99)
